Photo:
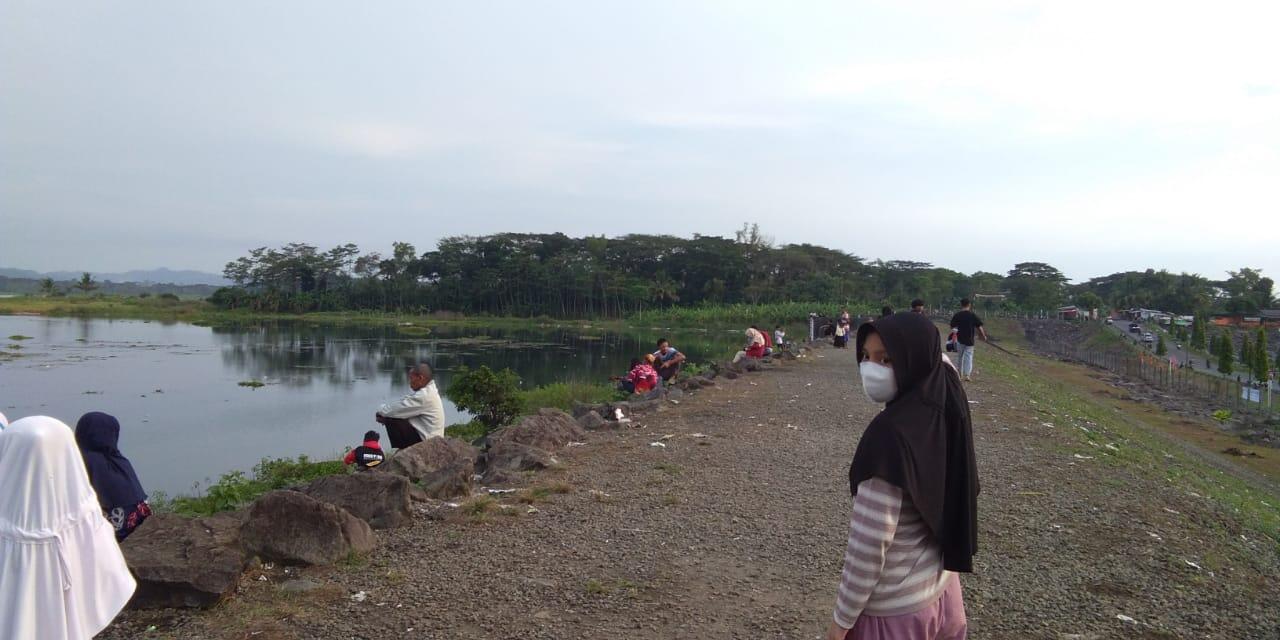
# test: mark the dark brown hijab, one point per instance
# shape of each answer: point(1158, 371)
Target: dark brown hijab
point(923, 440)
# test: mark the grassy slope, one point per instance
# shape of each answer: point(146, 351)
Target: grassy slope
point(1150, 440)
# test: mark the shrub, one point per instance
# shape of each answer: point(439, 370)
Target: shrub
point(234, 490)
point(468, 431)
point(1222, 415)
point(493, 398)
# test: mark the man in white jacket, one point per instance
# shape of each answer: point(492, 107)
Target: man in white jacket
point(417, 416)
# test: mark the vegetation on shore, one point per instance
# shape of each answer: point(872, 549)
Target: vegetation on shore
point(1142, 440)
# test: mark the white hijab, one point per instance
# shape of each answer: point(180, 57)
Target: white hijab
point(62, 576)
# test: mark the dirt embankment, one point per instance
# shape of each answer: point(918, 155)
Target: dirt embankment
point(735, 529)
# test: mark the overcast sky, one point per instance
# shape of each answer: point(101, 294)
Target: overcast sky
point(1096, 136)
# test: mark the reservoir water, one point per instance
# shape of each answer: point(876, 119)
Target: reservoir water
point(185, 420)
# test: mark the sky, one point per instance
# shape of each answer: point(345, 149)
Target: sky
point(1095, 136)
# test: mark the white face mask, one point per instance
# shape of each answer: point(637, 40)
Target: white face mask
point(878, 381)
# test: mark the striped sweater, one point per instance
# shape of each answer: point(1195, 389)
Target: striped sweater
point(892, 566)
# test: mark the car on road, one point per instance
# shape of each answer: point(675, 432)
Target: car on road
point(1135, 327)
point(1148, 337)
point(1108, 321)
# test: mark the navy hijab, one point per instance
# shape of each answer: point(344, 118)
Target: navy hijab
point(923, 440)
point(117, 486)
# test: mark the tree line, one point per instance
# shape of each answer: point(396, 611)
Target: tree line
point(519, 274)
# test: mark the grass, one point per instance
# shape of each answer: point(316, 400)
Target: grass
point(763, 315)
point(1142, 437)
point(18, 336)
point(235, 490)
point(562, 395)
point(468, 431)
point(597, 587)
point(253, 384)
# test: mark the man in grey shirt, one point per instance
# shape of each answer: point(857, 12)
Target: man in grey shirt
point(417, 416)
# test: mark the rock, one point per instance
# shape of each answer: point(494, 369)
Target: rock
point(675, 393)
point(645, 406)
point(450, 481)
point(185, 562)
point(295, 528)
point(381, 499)
point(751, 364)
point(549, 429)
point(506, 460)
point(592, 420)
point(581, 409)
point(417, 494)
point(430, 456)
point(731, 375)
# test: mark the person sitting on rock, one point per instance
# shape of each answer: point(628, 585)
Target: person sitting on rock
point(768, 341)
point(123, 501)
point(367, 455)
point(417, 416)
point(669, 360)
point(641, 378)
point(754, 348)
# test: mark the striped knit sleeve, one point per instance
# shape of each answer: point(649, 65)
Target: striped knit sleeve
point(875, 518)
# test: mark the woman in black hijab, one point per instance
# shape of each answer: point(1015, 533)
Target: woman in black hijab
point(915, 487)
point(120, 495)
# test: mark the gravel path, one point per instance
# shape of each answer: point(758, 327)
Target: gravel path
point(739, 534)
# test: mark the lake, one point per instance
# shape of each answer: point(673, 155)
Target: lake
point(185, 421)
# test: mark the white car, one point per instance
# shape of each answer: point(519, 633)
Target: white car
point(1147, 337)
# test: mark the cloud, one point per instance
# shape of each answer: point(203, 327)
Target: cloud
point(1086, 67)
point(727, 121)
point(379, 139)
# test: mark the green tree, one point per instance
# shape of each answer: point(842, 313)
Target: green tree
point(1198, 332)
point(48, 287)
point(1226, 355)
point(1035, 285)
point(494, 398)
point(86, 283)
point(1161, 349)
point(1260, 356)
point(1246, 354)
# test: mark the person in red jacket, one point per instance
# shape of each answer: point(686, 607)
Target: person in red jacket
point(642, 378)
point(367, 455)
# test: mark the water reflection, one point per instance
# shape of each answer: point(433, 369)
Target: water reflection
point(302, 355)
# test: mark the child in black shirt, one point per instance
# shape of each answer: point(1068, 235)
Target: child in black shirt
point(367, 455)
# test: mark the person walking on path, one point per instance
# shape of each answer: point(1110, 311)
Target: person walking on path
point(417, 416)
point(966, 324)
point(914, 481)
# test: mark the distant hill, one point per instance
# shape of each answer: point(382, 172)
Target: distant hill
point(180, 277)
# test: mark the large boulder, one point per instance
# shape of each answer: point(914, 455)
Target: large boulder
point(294, 528)
point(381, 499)
point(549, 429)
point(443, 467)
point(185, 562)
point(506, 460)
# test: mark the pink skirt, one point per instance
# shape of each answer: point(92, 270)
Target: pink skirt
point(942, 620)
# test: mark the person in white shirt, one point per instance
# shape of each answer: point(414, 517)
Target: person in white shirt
point(417, 416)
